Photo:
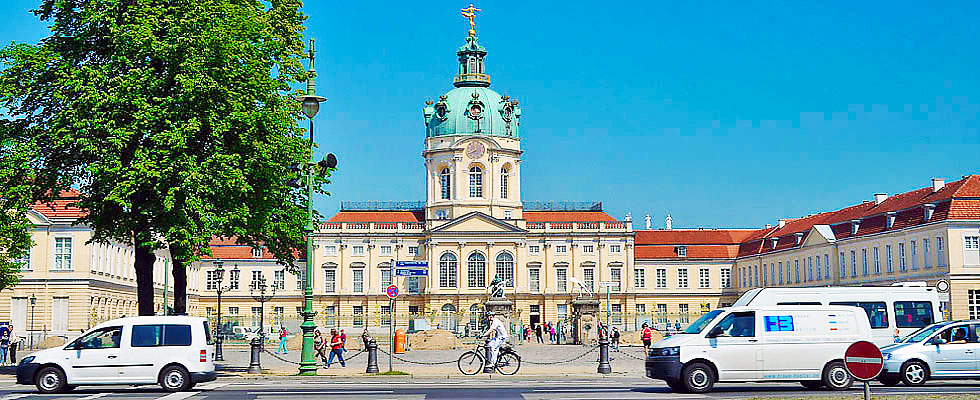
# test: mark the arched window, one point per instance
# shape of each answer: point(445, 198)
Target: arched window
point(476, 182)
point(449, 317)
point(444, 183)
point(447, 270)
point(505, 268)
point(477, 324)
point(476, 270)
point(504, 182)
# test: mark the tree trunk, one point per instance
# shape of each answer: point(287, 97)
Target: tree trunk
point(180, 285)
point(144, 259)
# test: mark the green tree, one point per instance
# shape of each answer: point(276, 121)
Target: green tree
point(174, 118)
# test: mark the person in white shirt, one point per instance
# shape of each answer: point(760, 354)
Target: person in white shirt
point(497, 333)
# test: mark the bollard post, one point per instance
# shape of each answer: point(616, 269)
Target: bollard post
point(254, 366)
point(604, 367)
point(372, 363)
point(487, 367)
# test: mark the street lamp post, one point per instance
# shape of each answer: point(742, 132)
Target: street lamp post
point(31, 331)
point(258, 292)
point(218, 354)
point(311, 105)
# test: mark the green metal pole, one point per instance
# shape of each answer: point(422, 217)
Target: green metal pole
point(166, 285)
point(307, 361)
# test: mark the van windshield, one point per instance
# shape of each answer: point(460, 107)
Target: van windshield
point(923, 334)
point(747, 297)
point(699, 325)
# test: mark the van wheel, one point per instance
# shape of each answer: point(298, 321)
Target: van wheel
point(675, 386)
point(914, 373)
point(836, 377)
point(175, 379)
point(50, 380)
point(812, 385)
point(698, 378)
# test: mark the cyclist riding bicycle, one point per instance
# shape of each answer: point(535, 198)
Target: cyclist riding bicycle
point(497, 333)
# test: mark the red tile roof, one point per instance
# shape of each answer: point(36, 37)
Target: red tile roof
point(378, 216)
point(228, 249)
point(567, 216)
point(61, 207)
point(648, 252)
point(693, 236)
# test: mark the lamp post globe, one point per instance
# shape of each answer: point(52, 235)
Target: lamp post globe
point(220, 277)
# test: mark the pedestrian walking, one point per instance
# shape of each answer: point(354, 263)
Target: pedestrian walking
point(615, 339)
point(320, 345)
point(551, 331)
point(4, 345)
point(647, 336)
point(538, 331)
point(336, 349)
point(15, 341)
point(282, 341)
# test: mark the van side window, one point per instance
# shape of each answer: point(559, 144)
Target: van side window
point(739, 324)
point(877, 311)
point(913, 314)
point(105, 338)
point(161, 335)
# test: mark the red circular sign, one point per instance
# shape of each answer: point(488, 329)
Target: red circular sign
point(863, 360)
point(392, 291)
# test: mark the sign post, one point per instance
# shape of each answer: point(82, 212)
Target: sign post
point(392, 292)
point(608, 285)
point(864, 361)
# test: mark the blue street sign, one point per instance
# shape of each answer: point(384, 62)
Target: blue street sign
point(411, 272)
point(412, 264)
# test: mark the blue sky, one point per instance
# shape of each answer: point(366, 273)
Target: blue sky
point(725, 114)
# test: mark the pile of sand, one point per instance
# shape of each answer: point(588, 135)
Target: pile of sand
point(632, 338)
point(51, 341)
point(434, 339)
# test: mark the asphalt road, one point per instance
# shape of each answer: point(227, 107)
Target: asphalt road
point(602, 389)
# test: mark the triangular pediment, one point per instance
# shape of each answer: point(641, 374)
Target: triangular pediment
point(819, 234)
point(477, 222)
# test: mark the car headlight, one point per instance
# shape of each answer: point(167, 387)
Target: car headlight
point(26, 360)
point(670, 351)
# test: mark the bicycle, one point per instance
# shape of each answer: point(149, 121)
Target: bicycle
point(472, 362)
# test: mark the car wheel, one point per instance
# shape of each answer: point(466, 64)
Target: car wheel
point(675, 386)
point(812, 385)
point(914, 373)
point(175, 379)
point(889, 380)
point(50, 380)
point(836, 377)
point(698, 378)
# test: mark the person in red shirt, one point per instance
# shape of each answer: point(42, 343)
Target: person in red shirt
point(647, 337)
point(336, 348)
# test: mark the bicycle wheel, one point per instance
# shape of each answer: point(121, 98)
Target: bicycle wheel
point(470, 363)
point(509, 363)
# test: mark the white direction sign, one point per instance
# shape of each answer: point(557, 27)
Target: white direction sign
point(609, 284)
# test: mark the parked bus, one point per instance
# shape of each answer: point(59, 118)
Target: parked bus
point(903, 306)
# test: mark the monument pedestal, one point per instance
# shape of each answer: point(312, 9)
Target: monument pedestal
point(504, 307)
point(584, 321)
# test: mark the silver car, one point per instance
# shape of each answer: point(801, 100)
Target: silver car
point(945, 350)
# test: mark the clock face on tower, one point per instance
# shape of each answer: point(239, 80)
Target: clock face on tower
point(474, 150)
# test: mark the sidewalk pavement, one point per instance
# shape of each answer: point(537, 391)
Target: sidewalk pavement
point(548, 359)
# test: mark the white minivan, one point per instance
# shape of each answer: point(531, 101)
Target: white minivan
point(175, 352)
point(761, 344)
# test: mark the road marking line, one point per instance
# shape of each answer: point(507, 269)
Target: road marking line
point(94, 396)
point(589, 389)
point(15, 396)
point(347, 392)
point(178, 396)
point(212, 386)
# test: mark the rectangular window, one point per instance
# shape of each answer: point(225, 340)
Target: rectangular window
point(385, 315)
point(780, 272)
point(588, 249)
point(357, 250)
point(59, 314)
point(301, 279)
point(661, 313)
point(901, 257)
point(413, 250)
point(864, 261)
point(854, 265)
point(877, 261)
point(534, 249)
point(912, 253)
point(385, 278)
point(661, 278)
point(280, 281)
point(971, 242)
point(331, 312)
point(534, 278)
point(926, 256)
point(789, 278)
point(256, 314)
point(617, 314)
point(726, 278)
point(329, 250)
point(212, 280)
point(257, 280)
point(913, 314)
point(877, 311)
point(358, 275)
point(616, 275)
point(796, 270)
point(233, 310)
point(765, 275)
point(615, 248)
point(809, 269)
point(682, 278)
point(641, 309)
point(682, 251)
point(561, 278)
point(974, 303)
point(588, 278)
point(562, 311)
point(640, 278)
point(358, 316)
point(414, 284)
point(62, 254)
point(704, 278)
point(685, 313)
point(386, 250)
point(25, 262)
point(826, 266)
point(819, 269)
point(843, 266)
point(561, 249)
point(476, 182)
point(330, 280)
point(940, 256)
point(889, 266)
point(508, 214)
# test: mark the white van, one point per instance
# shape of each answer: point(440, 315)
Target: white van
point(175, 352)
point(903, 306)
point(761, 344)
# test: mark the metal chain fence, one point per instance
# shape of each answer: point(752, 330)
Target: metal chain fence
point(276, 356)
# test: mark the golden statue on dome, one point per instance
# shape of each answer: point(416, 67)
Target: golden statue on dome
point(470, 13)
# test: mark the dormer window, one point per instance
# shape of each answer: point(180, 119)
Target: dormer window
point(682, 251)
point(257, 253)
point(774, 241)
point(928, 210)
point(855, 225)
point(890, 219)
point(799, 237)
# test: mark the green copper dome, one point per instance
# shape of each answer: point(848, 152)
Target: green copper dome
point(472, 108)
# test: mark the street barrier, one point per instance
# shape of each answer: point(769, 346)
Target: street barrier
point(604, 367)
point(254, 365)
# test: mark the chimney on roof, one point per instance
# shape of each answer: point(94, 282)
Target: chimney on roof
point(880, 198)
point(669, 222)
point(629, 218)
point(783, 222)
point(646, 219)
point(937, 184)
point(768, 226)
